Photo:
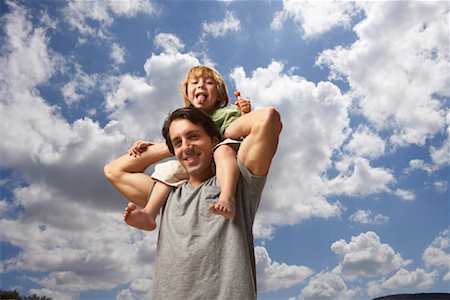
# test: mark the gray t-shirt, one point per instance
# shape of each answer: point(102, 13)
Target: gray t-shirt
point(201, 255)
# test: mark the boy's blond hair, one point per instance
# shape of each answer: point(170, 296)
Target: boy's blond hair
point(204, 71)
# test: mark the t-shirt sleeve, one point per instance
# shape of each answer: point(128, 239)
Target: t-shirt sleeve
point(224, 116)
point(255, 183)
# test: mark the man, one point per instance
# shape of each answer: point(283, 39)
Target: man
point(201, 255)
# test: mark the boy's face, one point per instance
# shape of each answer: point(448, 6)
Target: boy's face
point(193, 149)
point(202, 92)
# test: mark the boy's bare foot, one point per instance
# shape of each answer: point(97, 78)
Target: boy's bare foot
point(137, 218)
point(225, 208)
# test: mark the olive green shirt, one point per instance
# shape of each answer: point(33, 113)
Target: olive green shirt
point(224, 116)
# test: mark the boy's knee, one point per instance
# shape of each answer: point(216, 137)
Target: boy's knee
point(225, 150)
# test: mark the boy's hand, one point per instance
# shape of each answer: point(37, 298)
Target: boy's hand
point(244, 104)
point(138, 147)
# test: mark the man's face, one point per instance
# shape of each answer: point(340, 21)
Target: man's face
point(193, 149)
point(202, 93)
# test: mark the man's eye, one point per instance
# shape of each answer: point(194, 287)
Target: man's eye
point(193, 136)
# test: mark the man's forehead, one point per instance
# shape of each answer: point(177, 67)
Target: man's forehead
point(182, 126)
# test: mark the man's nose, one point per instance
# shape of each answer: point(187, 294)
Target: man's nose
point(186, 146)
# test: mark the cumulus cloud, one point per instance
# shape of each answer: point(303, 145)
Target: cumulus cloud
point(365, 143)
point(168, 42)
point(403, 279)
point(315, 123)
point(273, 276)
point(65, 226)
point(368, 217)
point(70, 241)
point(117, 54)
point(363, 180)
point(327, 286)
point(220, 28)
point(441, 185)
point(314, 18)
point(80, 86)
point(366, 256)
point(404, 194)
point(438, 253)
point(397, 77)
point(93, 18)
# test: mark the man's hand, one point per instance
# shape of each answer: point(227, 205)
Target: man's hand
point(138, 147)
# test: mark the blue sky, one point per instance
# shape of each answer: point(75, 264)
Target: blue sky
point(357, 200)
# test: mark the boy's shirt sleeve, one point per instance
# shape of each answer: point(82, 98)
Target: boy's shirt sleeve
point(224, 116)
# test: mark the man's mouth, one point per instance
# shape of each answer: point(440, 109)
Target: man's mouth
point(191, 158)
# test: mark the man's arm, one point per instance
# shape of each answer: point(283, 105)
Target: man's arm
point(127, 175)
point(261, 129)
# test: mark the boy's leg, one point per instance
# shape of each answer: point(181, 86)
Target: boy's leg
point(227, 173)
point(146, 219)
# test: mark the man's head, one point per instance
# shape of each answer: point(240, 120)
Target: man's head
point(190, 135)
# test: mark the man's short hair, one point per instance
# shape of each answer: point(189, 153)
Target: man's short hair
point(194, 115)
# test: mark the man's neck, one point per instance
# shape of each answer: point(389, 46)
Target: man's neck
point(195, 181)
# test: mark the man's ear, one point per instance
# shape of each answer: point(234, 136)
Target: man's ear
point(215, 141)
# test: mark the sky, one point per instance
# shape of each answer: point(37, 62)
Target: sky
point(356, 203)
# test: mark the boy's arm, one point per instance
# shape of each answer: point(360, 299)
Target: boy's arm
point(261, 129)
point(127, 175)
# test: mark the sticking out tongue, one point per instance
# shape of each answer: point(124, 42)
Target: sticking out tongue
point(201, 99)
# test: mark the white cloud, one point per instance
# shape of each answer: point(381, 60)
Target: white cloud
point(327, 286)
point(263, 231)
point(365, 143)
point(273, 276)
point(80, 85)
point(374, 288)
point(419, 164)
point(72, 249)
point(364, 180)
point(314, 18)
point(26, 59)
point(366, 256)
point(404, 194)
point(93, 18)
point(438, 253)
point(396, 76)
point(117, 54)
point(170, 43)
point(441, 185)
point(315, 124)
point(403, 279)
point(65, 226)
point(368, 217)
point(220, 28)
point(139, 289)
point(131, 8)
